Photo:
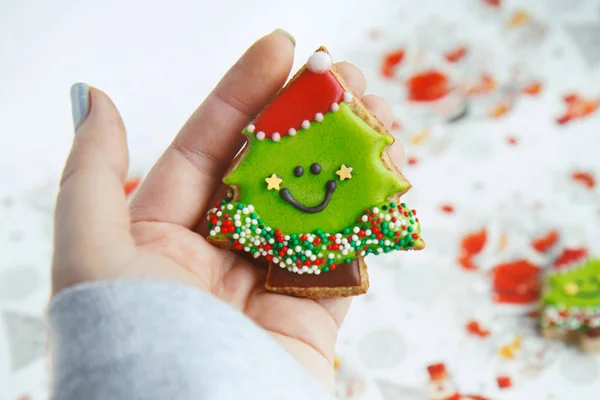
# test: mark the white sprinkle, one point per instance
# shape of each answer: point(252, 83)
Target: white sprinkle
point(369, 241)
point(254, 222)
point(300, 272)
point(290, 252)
point(250, 128)
point(246, 249)
point(256, 255)
point(250, 207)
point(217, 229)
point(230, 206)
point(344, 252)
point(276, 137)
point(386, 243)
point(330, 256)
point(298, 249)
point(245, 210)
point(356, 229)
point(305, 269)
point(313, 257)
point(242, 234)
point(288, 261)
point(375, 210)
point(260, 135)
point(392, 225)
point(338, 241)
point(242, 240)
point(318, 117)
point(364, 218)
point(347, 97)
point(338, 235)
point(368, 232)
point(256, 242)
point(286, 237)
point(335, 107)
point(236, 235)
point(219, 213)
point(362, 253)
point(268, 229)
point(236, 217)
point(310, 238)
point(305, 124)
point(295, 269)
point(380, 250)
point(212, 233)
point(247, 220)
point(388, 217)
point(308, 253)
point(354, 238)
point(317, 272)
point(292, 132)
point(258, 231)
point(310, 271)
point(345, 241)
point(282, 265)
point(324, 247)
point(271, 241)
point(276, 260)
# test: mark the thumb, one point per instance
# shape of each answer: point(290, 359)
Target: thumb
point(91, 218)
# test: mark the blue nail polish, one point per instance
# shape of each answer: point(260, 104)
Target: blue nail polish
point(80, 103)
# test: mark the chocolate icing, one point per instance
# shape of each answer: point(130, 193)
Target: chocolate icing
point(298, 171)
point(344, 275)
point(315, 169)
point(329, 188)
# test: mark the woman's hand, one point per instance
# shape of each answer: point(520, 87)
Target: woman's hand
point(98, 237)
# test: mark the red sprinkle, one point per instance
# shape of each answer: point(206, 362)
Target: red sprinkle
point(412, 160)
point(447, 208)
point(512, 140)
point(584, 178)
point(415, 235)
point(332, 267)
point(504, 381)
point(390, 62)
point(474, 328)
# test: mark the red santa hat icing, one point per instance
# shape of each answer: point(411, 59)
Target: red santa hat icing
point(569, 258)
point(314, 93)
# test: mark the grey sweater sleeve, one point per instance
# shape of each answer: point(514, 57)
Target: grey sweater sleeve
point(150, 340)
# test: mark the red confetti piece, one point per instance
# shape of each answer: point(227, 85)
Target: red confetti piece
point(545, 243)
point(577, 107)
point(493, 3)
point(474, 328)
point(473, 243)
point(396, 125)
point(570, 256)
point(447, 208)
point(456, 54)
point(391, 61)
point(466, 261)
point(584, 178)
point(504, 382)
point(517, 282)
point(533, 89)
point(412, 160)
point(512, 140)
point(427, 86)
point(131, 185)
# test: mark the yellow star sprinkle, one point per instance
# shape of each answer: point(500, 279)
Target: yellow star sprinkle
point(273, 181)
point(344, 173)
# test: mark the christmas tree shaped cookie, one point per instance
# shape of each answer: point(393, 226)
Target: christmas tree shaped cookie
point(314, 190)
point(572, 300)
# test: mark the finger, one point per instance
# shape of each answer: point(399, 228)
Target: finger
point(398, 153)
point(353, 76)
point(180, 186)
point(91, 212)
point(380, 108)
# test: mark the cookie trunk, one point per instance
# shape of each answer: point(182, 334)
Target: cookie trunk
point(346, 280)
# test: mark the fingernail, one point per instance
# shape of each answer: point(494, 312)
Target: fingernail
point(80, 103)
point(285, 33)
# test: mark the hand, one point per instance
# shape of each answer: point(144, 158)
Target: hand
point(98, 238)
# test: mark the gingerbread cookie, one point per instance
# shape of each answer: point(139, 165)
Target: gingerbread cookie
point(572, 300)
point(314, 190)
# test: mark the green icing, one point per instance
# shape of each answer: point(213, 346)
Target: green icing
point(587, 278)
point(342, 138)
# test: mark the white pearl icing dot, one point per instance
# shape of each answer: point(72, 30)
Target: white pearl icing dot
point(292, 132)
point(319, 63)
point(335, 107)
point(347, 97)
point(260, 135)
point(276, 136)
point(250, 128)
point(305, 124)
point(318, 117)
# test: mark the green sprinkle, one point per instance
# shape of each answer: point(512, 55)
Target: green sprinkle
point(238, 230)
point(240, 206)
point(261, 226)
point(330, 261)
point(302, 258)
point(387, 249)
point(393, 205)
point(384, 208)
point(348, 260)
point(373, 236)
point(293, 236)
point(346, 231)
point(410, 229)
point(403, 205)
point(384, 225)
point(411, 221)
point(326, 269)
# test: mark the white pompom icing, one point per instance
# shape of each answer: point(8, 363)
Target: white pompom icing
point(319, 63)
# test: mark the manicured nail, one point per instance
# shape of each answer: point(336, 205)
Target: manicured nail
point(80, 103)
point(285, 33)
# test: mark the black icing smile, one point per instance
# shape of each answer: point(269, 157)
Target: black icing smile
point(329, 188)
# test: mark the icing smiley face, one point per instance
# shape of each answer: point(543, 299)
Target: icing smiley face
point(331, 173)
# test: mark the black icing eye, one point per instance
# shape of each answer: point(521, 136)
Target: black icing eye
point(298, 171)
point(315, 169)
